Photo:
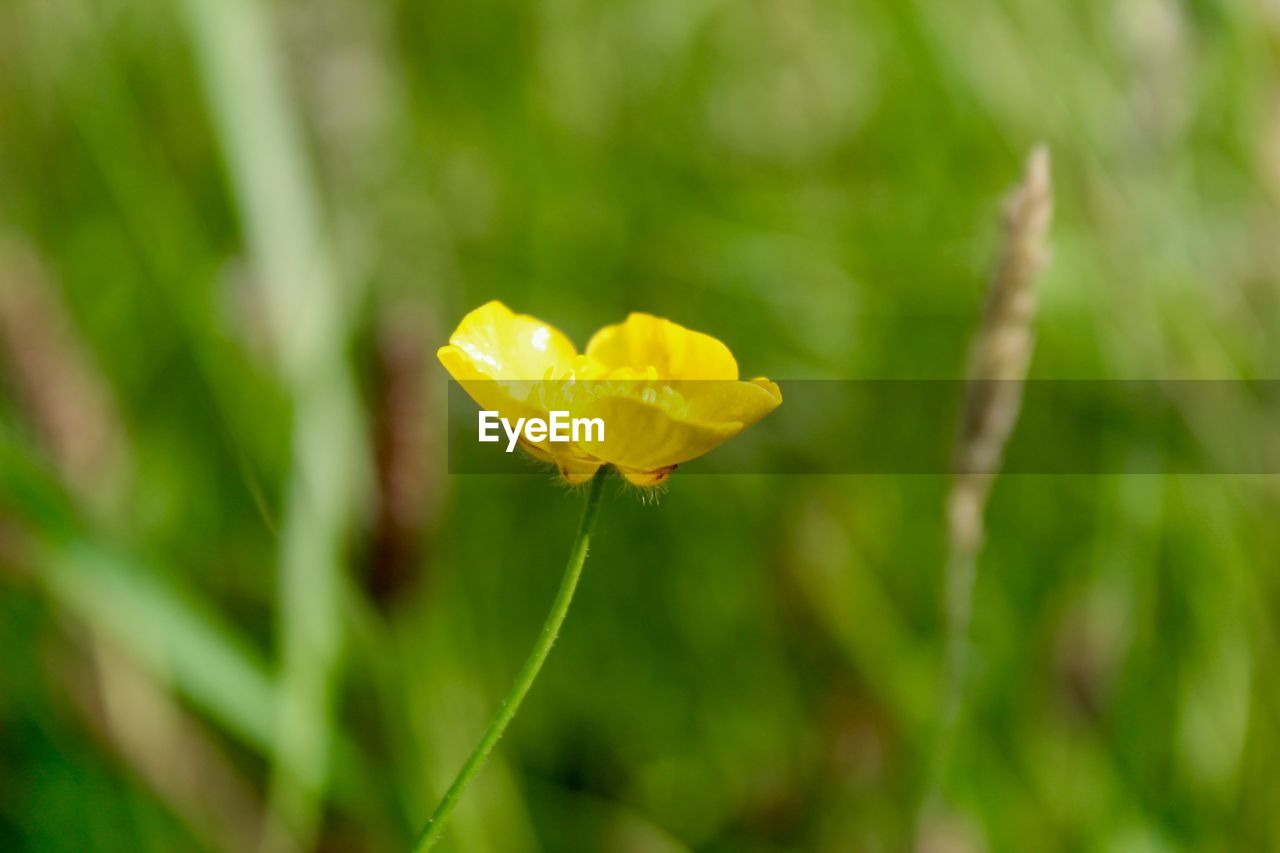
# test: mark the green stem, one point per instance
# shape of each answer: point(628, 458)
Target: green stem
point(434, 829)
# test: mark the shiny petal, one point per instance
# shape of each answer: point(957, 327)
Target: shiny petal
point(505, 398)
point(505, 345)
point(493, 355)
point(644, 342)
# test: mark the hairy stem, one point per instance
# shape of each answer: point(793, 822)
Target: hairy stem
point(434, 829)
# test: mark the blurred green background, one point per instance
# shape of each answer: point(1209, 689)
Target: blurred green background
point(243, 605)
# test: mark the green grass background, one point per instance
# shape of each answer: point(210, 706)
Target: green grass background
point(253, 222)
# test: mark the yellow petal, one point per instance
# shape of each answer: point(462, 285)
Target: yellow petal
point(647, 343)
point(505, 345)
point(508, 399)
point(644, 437)
point(494, 353)
point(512, 400)
point(719, 402)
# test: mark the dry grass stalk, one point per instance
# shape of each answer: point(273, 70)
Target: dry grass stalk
point(998, 364)
point(1001, 353)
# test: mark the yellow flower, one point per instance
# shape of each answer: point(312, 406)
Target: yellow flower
point(666, 394)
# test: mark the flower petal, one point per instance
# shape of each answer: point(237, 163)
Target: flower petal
point(644, 437)
point(508, 399)
point(505, 345)
point(645, 342)
point(744, 402)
